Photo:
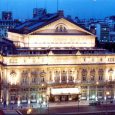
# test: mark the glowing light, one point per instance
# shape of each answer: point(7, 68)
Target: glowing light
point(93, 96)
point(29, 111)
point(18, 103)
point(13, 79)
point(29, 101)
point(97, 83)
point(43, 85)
point(44, 103)
point(107, 93)
point(65, 91)
point(40, 99)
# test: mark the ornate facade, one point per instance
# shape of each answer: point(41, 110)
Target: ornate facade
point(55, 58)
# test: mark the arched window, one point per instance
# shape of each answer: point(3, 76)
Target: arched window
point(34, 76)
point(50, 76)
point(92, 74)
point(61, 28)
point(24, 76)
point(64, 76)
point(100, 74)
point(13, 78)
point(42, 76)
point(84, 75)
point(110, 74)
point(70, 76)
point(57, 76)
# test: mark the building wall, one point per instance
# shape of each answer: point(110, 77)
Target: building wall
point(53, 41)
point(26, 79)
point(48, 36)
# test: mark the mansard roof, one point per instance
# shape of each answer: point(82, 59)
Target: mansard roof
point(37, 23)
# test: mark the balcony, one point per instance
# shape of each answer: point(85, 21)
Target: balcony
point(62, 82)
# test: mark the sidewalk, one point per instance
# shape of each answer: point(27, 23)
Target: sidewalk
point(10, 112)
point(56, 104)
point(66, 104)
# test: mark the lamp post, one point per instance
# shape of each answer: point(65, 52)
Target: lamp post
point(40, 103)
point(97, 83)
point(78, 101)
point(107, 94)
point(29, 110)
point(48, 103)
point(29, 93)
point(111, 80)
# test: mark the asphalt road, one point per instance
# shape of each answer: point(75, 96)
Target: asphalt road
point(9, 112)
point(77, 110)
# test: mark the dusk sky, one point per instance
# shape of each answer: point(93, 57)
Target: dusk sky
point(22, 9)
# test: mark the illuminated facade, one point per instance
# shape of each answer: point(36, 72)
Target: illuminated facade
point(56, 58)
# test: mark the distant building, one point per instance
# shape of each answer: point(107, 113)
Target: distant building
point(39, 12)
point(104, 29)
point(7, 15)
point(7, 22)
point(3, 31)
point(6, 47)
point(102, 32)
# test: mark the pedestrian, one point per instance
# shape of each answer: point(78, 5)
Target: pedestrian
point(4, 103)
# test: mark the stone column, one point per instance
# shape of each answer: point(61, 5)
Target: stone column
point(96, 75)
point(29, 84)
point(114, 91)
point(1, 85)
point(6, 88)
point(7, 96)
point(60, 76)
point(67, 76)
point(53, 76)
point(48, 76)
point(75, 76)
point(96, 92)
point(87, 93)
point(18, 100)
point(88, 86)
point(106, 76)
point(105, 97)
point(97, 83)
point(79, 75)
point(88, 75)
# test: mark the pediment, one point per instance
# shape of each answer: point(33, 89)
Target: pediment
point(61, 26)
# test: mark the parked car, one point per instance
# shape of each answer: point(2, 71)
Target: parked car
point(94, 103)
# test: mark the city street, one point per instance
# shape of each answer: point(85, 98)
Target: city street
point(63, 108)
point(82, 109)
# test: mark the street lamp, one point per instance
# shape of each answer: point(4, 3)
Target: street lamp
point(48, 103)
point(78, 97)
point(40, 102)
point(93, 97)
point(97, 83)
point(107, 94)
point(29, 110)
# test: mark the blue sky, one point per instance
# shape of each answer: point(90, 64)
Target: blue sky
point(22, 9)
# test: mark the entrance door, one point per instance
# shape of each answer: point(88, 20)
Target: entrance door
point(64, 98)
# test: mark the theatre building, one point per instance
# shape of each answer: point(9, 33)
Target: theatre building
point(55, 59)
